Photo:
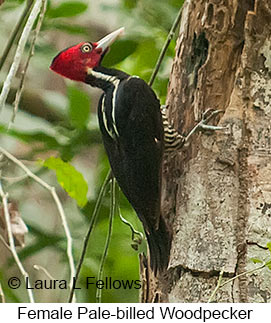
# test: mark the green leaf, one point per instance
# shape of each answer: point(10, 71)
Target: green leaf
point(268, 245)
point(119, 51)
point(79, 108)
point(256, 260)
point(69, 178)
point(268, 264)
point(70, 29)
point(130, 4)
point(67, 9)
point(29, 137)
point(43, 239)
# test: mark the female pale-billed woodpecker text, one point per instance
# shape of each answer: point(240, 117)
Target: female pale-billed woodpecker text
point(132, 129)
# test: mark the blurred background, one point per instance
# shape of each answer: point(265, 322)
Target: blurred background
point(57, 118)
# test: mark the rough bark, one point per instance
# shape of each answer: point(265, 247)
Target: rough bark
point(217, 193)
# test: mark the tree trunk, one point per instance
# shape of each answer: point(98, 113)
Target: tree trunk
point(217, 193)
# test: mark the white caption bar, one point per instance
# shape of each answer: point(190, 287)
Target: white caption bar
point(180, 312)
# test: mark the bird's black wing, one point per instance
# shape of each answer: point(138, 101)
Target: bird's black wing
point(135, 154)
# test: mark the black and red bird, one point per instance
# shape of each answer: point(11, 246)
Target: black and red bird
point(132, 129)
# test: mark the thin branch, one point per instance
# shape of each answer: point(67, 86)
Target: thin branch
point(15, 32)
point(4, 197)
point(133, 230)
point(45, 271)
point(217, 286)
point(91, 225)
point(249, 272)
point(60, 209)
point(31, 53)
point(19, 52)
point(2, 295)
point(108, 238)
point(68, 235)
point(14, 179)
point(4, 242)
point(165, 47)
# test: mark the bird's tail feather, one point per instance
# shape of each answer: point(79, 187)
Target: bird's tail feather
point(159, 242)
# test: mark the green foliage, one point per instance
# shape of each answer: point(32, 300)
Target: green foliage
point(69, 29)
point(57, 17)
point(79, 107)
point(69, 178)
point(36, 136)
point(256, 260)
point(267, 263)
point(130, 4)
point(67, 9)
point(43, 240)
point(119, 51)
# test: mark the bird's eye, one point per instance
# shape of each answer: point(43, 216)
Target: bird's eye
point(86, 48)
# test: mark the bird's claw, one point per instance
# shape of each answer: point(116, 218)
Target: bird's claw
point(208, 115)
point(203, 124)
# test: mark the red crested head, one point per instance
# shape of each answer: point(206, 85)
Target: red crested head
point(77, 61)
point(74, 61)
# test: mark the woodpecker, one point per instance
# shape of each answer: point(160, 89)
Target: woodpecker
point(131, 123)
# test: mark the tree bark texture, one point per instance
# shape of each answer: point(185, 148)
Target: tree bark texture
point(217, 193)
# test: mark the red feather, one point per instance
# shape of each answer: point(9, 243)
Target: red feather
point(73, 63)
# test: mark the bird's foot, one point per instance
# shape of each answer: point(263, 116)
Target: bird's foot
point(203, 125)
point(208, 115)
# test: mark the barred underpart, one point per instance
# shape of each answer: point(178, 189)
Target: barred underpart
point(172, 138)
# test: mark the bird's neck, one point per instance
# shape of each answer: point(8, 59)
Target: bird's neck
point(104, 78)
